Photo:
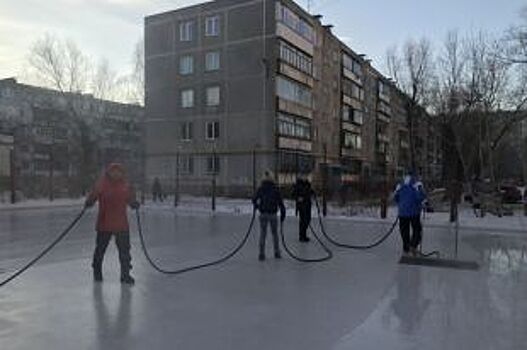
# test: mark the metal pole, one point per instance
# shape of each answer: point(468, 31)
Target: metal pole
point(51, 160)
point(176, 188)
point(12, 175)
point(325, 175)
point(214, 170)
point(297, 164)
point(254, 171)
point(457, 236)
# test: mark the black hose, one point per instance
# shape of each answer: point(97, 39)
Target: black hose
point(306, 260)
point(196, 267)
point(368, 246)
point(350, 246)
point(45, 251)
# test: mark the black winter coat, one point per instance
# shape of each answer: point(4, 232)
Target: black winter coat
point(268, 199)
point(302, 193)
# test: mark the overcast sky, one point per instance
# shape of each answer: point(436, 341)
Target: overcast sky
point(110, 28)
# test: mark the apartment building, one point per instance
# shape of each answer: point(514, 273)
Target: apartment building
point(61, 142)
point(229, 78)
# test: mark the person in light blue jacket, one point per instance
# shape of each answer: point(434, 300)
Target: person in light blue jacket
point(409, 196)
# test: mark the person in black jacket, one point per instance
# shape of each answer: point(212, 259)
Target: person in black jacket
point(302, 193)
point(268, 201)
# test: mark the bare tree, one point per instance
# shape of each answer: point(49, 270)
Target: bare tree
point(138, 75)
point(105, 83)
point(411, 68)
point(59, 65)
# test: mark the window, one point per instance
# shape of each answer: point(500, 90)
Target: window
point(352, 140)
point(212, 131)
point(213, 164)
point(186, 164)
point(383, 89)
point(186, 131)
point(187, 98)
point(293, 126)
point(294, 22)
point(296, 58)
point(212, 26)
point(382, 147)
point(384, 108)
point(186, 31)
point(213, 96)
point(212, 61)
point(186, 65)
point(352, 89)
point(352, 65)
point(292, 91)
point(351, 115)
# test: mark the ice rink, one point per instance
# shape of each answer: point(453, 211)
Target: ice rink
point(359, 300)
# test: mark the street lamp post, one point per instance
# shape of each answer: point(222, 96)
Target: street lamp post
point(50, 184)
point(214, 173)
point(176, 188)
point(12, 174)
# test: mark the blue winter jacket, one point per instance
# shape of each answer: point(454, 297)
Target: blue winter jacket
point(409, 196)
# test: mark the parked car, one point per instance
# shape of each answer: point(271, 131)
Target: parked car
point(511, 194)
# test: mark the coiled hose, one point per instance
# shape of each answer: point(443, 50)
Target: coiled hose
point(350, 246)
point(46, 250)
point(329, 253)
point(374, 244)
point(228, 256)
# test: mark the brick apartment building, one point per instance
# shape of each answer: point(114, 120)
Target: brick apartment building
point(61, 142)
point(226, 78)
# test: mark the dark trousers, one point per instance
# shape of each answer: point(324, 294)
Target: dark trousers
point(411, 241)
point(304, 213)
point(122, 241)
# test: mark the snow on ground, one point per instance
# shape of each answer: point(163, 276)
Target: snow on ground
point(203, 205)
point(42, 203)
point(467, 219)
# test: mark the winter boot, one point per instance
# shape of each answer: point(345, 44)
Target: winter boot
point(126, 278)
point(97, 274)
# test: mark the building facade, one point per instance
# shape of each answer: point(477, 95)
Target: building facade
point(61, 141)
point(226, 79)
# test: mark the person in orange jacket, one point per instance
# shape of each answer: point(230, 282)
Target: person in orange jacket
point(114, 194)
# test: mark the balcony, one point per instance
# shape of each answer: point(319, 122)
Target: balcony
point(296, 74)
point(352, 76)
point(383, 137)
point(384, 118)
point(294, 38)
point(384, 97)
point(294, 144)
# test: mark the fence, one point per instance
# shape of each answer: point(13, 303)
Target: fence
point(216, 174)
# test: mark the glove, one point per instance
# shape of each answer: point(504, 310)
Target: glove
point(135, 205)
point(88, 204)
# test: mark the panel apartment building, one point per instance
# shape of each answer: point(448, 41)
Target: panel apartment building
point(56, 144)
point(228, 79)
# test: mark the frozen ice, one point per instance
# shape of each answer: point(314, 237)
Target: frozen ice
point(358, 300)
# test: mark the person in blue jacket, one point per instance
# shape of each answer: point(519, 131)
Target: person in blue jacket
point(268, 201)
point(409, 196)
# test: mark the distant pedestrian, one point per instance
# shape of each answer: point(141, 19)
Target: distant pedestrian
point(268, 201)
point(409, 196)
point(113, 193)
point(157, 190)
point(303, 193)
